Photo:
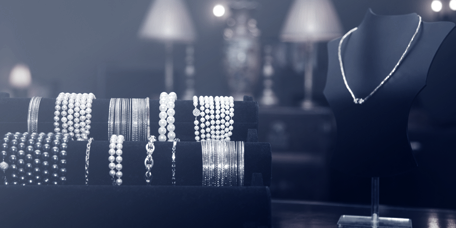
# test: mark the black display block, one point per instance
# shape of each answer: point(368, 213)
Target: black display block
point(188, 204)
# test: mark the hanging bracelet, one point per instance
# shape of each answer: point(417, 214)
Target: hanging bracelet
point(173, 162)
point(196, 113)
point(163, 117)
point(115, 148)
point(32, 118)
point(89, 144)
point(149, 161)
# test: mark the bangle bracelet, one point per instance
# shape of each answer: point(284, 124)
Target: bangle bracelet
point(112, 105)
point(115, 148)
point(147, 118)
point(240, 155)
point(173, 161)
point(32, 118)
point(149, 161)
point(163, 117)
point(89, 144)
point(135, 119)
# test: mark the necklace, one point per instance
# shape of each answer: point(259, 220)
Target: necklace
point(362, 100)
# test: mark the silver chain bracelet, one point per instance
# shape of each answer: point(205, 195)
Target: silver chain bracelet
point(89, 143)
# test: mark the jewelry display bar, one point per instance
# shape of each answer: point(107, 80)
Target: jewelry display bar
point(13, 117)
point(135, 204)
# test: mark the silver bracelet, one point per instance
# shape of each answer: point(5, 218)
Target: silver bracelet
point(111, 111)
point(240, 155)
point(147, 118)
point(173, 161)
point(32, 118)
point(135, 119)
point(149, 161)
point(89, 144)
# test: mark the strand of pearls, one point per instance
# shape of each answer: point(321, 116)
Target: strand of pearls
point(115, 148)
point(196, 113)
point(163, 115)
point(172, 97)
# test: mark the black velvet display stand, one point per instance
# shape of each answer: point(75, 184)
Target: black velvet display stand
point(134, 204)
point(372, 137)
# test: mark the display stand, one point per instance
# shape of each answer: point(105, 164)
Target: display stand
point(372, 136)
point(134, 204)
point(347, 221)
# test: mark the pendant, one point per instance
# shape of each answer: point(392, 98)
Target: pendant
point(358, 100)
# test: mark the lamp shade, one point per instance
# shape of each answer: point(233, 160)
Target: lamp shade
point(168, 20)
point(311, 20)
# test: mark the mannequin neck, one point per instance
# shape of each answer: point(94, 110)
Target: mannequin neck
point(373, 22)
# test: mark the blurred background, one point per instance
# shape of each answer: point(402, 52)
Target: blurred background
point(272, 50)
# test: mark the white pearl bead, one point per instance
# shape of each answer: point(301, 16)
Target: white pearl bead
point(161, 130)
point(119, 181)
point(112, 145)
point(171, 127)
point(119, 145)
point(119, 166)
point(161, 138)
point(112, 173)
point(111, 159)
point(119, 152)
point(119, 174)
point(170, 119)
point(118, 159)
point(112, 151)
point(112, 165)
point(162, 123)
point(162, 115)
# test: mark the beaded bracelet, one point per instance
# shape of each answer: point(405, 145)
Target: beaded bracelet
point(172, 97)
point(196, 113)
point(115, 148)
point(163, 116)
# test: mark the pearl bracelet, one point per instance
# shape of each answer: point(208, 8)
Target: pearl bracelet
point(163, 116)
point(115, 148)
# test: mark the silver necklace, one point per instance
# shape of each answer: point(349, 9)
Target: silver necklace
point(362, 100)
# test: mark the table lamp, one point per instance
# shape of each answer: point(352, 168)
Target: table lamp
point(308, 22)
point(168, 21)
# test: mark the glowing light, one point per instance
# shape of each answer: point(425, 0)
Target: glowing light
point(453, 5)
point(20, 76)
point(218, 10)
point(436, 5)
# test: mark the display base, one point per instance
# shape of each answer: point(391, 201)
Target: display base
point(347, 221)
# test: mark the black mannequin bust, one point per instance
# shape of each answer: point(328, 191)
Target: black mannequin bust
point(372, 137)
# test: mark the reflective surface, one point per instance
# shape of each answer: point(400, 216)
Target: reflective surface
point(307, 214)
